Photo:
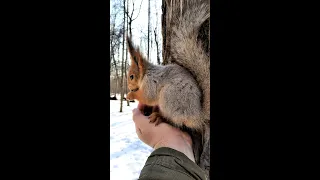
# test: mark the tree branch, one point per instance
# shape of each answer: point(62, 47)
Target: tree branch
point(138, 12)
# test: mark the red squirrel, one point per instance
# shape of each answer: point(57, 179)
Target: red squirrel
point(179, 93)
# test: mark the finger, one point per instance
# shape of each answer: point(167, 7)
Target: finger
point(141, 106)
point(136, 114)
point(141, 121)
point(138, 131)
point(138, 117)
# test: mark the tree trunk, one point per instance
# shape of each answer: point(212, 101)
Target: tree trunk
point(157, 47)
point(118, 78)
point(164, 33)
point(116, 68)
point(110, 62)
point(122, 68)
point(155, 35)
point(148, 29)
point(125, 65)
point(201, 142)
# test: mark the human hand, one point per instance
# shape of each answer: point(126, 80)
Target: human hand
point(162, 135)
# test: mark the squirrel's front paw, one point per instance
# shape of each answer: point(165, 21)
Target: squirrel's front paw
point(130, 96)
point(156, 118)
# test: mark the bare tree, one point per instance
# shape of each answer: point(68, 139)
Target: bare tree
point(122, 62)
point(155, 36)
point(130, 16)
point(157, 46)
point(111, 43)
point(116, 68)
point(148, 28)
point(144, 42)
point(115, 35)
point(116, 64)
point(125, 65)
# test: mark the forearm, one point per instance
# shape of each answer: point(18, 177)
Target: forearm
point(167, 163)
point(182, 144)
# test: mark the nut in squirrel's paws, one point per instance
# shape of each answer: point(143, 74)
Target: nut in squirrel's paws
point(156, 118)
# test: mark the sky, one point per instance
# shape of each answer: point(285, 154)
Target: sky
point(140, 25)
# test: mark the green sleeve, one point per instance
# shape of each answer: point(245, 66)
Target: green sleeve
point(166, 164)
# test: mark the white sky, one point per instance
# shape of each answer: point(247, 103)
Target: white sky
point(140, 25)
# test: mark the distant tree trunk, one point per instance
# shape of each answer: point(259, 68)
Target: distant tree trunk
point(164, 32)
point(110, 62)
point(111, 43)
point(125, 65)
point(148, 30)
point(155, 35)
point(122, 66)
point(117, 75)
point(157, 46)
point(201, 143)
point(118, 78)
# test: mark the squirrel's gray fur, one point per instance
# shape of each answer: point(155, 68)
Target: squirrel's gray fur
point(186, 50)
point(177, 94)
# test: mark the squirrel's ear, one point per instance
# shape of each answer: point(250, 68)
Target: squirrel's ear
point(137, 60)
point(131, 50)
point(130, 45)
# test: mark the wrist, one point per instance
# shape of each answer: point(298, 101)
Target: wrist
point(180, 145)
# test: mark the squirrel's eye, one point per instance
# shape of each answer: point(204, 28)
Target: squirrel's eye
point(131, 77)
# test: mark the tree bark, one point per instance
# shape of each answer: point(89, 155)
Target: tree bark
point(122, 66)
point(148, 29)
point(125, 64)
point(157, 46)
point(116, 68)
point(155, 35)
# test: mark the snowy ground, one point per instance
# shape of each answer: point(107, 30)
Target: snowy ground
point(127, 153)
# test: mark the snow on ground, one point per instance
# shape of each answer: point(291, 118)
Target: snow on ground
point(128, 153)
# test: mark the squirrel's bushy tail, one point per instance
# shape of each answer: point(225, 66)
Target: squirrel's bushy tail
point(187, 18)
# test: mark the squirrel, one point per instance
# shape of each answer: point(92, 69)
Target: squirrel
point(179, 93)
point(171, 89)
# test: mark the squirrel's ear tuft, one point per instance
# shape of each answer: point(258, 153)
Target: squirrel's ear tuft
point(135, 60)
point(129, 44)
point(132, 50)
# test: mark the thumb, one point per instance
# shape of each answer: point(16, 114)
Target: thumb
point(141, 121)
point(136, 115)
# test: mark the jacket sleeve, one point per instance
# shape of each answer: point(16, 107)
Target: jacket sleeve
point(166, 163)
